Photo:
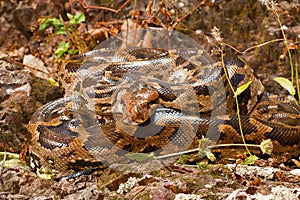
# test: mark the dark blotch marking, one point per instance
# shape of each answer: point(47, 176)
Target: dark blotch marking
point(202, 90)
point(78, 164)
point(190, 66)
point(52, 137)
point(103, 95)
point(147, 129)
point(233, 60)
point(180, 60)
point(101, 137)
point(236, 79)
point(94, 94)
point(243, 101)
point(248, 127)
point(73, 66)
point(285, 135)
point(166, 93)
point(147, 53)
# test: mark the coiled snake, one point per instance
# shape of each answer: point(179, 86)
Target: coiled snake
point(153, 100)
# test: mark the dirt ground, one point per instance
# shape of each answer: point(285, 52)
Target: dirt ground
point(28, 61)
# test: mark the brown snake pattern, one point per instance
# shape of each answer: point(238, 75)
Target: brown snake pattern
point(152, 100)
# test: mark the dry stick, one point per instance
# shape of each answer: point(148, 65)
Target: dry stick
point(253, 47)
point(193, 10)
point(123, 6)
point(103, 8)
point(8, 59)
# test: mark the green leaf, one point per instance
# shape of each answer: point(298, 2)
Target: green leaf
point(250, 160)
point(45, 23)
point(203, 143)
point(140, 157)
point(242, 88)
point(79, 17)
point(286, 84)
point(13, 163)
point(62, 48)
point(60, 30)
point(57, 23)
point(182, 159)
point(202, 165)
point(70, 16)
point(9, 155)
point(45, 173)
point(210, 155)
point(11, 160)
point(43, 26)
point(73, 51)
point(53, 82)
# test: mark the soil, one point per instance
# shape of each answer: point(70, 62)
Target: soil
point(30, 77)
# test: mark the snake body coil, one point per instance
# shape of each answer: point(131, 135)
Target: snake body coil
point(152, 100)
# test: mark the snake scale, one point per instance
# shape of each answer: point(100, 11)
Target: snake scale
point(153, 100)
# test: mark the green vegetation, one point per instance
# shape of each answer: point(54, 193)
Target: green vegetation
point(285, 83)
point(61, 28)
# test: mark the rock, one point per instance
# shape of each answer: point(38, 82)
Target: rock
point(18, 101)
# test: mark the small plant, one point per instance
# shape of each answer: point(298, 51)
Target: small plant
point(64, 47)
point(62, 29)
point(288, 85)
point(285, 83)
point(216, 34)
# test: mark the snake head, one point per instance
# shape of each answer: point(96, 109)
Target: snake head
point(137, 107)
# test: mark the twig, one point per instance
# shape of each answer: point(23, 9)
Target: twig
point(81, 2)
point(8, 59)
point(193, 10)
point(253, 47)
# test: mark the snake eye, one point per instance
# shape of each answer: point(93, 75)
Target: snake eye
point(144, 85)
